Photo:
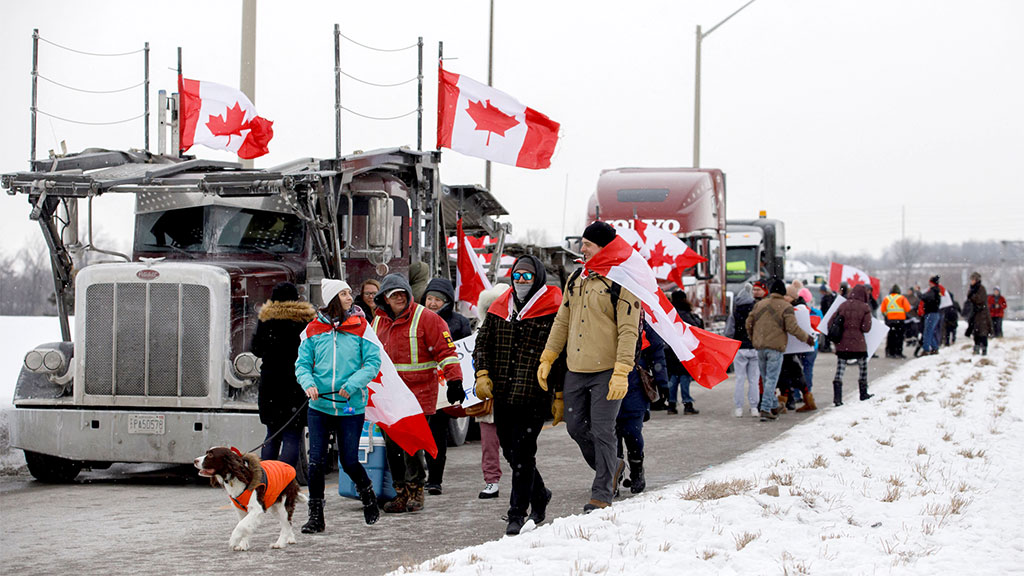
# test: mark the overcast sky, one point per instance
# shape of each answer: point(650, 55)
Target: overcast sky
point(833, 116)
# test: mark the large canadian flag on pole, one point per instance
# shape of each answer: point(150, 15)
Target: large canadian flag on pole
point(666, 254)
point(222, 118)
point(705, 355)
point(839, 273)
point(470, 279)
point(477, 120)
point(391, 404)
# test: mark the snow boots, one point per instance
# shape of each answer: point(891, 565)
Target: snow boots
point(397, 505)
point(808, 403)
point(515, 525)
point(864, 390)
point(837, 392)
point(416, 498)
point(672, 408)
point(370, 511)
point(636, 482)
point(689, 409)
point(316, 517)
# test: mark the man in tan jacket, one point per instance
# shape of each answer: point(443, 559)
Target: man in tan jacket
point(598, 325)
point(768, 325)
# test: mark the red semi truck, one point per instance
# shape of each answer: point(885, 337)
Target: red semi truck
point(688, 202)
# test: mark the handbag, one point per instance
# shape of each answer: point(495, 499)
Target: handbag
point(481, 409)
point(647, 379)
point(835, 330)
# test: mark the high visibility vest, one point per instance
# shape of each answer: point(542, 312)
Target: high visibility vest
point(895, 307)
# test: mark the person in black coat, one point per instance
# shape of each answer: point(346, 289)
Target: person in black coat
point(439, 298)
point(281, 320)
point(678, 378)
point(629, 424)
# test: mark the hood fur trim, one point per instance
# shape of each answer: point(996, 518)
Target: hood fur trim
point(296, 311)
point(253, 463)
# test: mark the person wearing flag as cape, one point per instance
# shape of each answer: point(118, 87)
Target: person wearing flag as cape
point(419, 343)
point(335, 366)
point(598, 326)
point(506, 358)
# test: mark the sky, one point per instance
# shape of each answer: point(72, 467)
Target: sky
point(853, 121)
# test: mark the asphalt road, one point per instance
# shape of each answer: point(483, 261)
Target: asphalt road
point(151, 520)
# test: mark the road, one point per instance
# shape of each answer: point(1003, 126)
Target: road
point(152, 520)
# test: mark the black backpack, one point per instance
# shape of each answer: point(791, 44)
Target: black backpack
point(613, 292)
point(835, 329)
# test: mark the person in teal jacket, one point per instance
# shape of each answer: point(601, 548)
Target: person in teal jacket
point(334, 367)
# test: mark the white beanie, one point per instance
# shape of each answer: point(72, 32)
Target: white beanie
point(329, 288)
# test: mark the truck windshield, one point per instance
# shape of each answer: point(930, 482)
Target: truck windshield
point(741, 263)
point(219, 229)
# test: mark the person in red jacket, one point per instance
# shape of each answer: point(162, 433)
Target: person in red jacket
point(419, 343)
point(996, 309)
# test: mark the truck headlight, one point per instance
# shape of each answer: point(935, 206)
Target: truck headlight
point(54, 361)
point(46, 361)
point(34, 360)
point(247, 365)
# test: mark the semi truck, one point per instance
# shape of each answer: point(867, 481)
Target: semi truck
point(688, 202)
point(754, 249)
point(157, 368)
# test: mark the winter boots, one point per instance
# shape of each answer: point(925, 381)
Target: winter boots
point(370, 511)
point(416, 498)
point(636, 482)
point(539, 509)
point(397, 505)
point(837, 392)
point(515, 525)
point(864, 390)
point(316, 517)
point(672, 408)
point(689, 409)
point(808, 403)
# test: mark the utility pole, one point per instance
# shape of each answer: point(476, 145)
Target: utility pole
point(490, 78)
point(247, 66)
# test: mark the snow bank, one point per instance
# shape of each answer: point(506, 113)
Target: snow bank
point(922, 479)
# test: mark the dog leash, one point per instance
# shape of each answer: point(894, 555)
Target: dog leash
point(292, 419)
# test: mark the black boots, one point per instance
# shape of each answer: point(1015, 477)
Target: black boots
point(837, 392)
point(538, 510)
point(636, 482)
point(370, 511)
point(864, 390)
point(316, 517)
point(672, 408)
point(515, 525)
point(689, 409)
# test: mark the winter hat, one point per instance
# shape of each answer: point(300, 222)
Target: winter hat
point(806, 295)
point(934, 279)
point(436, 294)
point(600, 233)
point(793, 291)
point(895, 289)
point(284, 292)
point(976, 276)
point(524, 265)
point(823, 288)
point(329, 288)
point(778, 287)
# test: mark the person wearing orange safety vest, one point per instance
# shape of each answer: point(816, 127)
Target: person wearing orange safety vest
point(419, 343)
point(895, 307)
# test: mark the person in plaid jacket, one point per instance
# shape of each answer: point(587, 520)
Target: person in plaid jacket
point(506, 357)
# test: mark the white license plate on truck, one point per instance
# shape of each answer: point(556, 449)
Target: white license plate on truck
point(145, 423)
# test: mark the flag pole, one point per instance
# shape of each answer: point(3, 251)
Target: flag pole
point(440, 67)
point(490, 77)
point(419, 100)
point(337, 91)
point(180, 86)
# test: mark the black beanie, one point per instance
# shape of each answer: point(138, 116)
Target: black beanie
point(778, 287)
point(600, 233)
point(284, 292)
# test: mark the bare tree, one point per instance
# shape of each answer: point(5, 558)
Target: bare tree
point(905, 256)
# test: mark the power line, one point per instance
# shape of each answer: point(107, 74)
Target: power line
point(91, 53)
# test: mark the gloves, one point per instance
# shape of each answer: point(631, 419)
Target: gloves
point(619, 383)
point(455, 392)
point(557, 409)
point(810, 341)
point(547, 358)
point(484, 386)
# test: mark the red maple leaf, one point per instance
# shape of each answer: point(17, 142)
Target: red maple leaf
point(854, 280)
point(658, 256)
point(232, 123)
point(490, 118)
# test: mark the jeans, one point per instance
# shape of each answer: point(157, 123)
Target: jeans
point(680, 382)
point(770, 363)
point(438, 422)
point(745, 365)
point(590, 420)
point(807, 362)
point(932, 320)
point(347, 429)
point(285, 446)
point(518, 434)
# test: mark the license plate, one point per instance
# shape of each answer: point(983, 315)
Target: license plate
point(145, 423)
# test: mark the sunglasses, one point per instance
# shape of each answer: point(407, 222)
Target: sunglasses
point(522, 275)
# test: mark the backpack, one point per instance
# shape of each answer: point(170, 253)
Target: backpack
point(835, 329)
point(613, 291)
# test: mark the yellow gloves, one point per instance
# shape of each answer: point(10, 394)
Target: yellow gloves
point(557, 409)
point(547, 358)
point(619, 383)
point(484, 386)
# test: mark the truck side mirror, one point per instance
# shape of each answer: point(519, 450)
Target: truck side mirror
point(379, 222)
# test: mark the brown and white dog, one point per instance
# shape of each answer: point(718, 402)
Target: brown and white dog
point(244, 476)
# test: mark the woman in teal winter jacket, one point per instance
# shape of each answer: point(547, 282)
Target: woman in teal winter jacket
point(334, 367)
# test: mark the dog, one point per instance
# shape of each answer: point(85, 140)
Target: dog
point(243, 476)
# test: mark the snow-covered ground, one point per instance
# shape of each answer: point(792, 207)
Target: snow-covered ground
point(925, 478)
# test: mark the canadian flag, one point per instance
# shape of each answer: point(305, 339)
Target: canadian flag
point(477, 120)
point(705, 355)
point(222, 118)
point(470, 279)
point(392, 404)
point(666, 254)
point(839, 273)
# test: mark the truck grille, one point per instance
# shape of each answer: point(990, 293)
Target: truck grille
point(157, 349)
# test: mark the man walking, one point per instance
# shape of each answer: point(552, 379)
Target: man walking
point(929, 308)
point(598, 325)
point(895, 307)
point(768, 324)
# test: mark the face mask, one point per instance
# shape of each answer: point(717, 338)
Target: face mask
point(522, 290)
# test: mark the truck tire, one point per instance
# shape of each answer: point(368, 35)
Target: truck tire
point(52, 469)
point(458, 429)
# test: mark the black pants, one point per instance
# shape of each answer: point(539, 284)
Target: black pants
point(517, 434)
point(630, 431)
point(894, 342)
point(997, 326)
point(439, 429)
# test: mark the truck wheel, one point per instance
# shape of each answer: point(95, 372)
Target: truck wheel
point(52, 469)
point(458, 428)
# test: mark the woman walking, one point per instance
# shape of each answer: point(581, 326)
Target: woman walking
point(334, 367)
point(855, 314)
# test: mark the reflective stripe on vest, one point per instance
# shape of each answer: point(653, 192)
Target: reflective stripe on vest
point(893, 305)
point(414, 349)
